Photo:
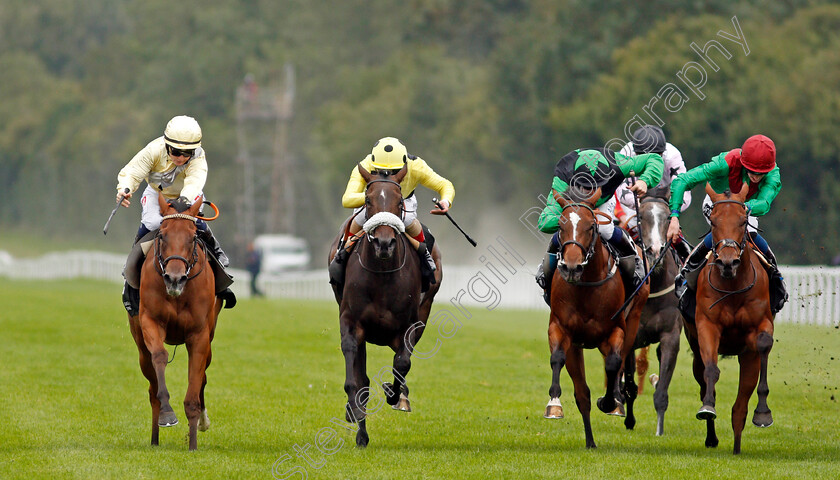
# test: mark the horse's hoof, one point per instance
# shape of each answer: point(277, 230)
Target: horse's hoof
point(654, 379)
point(391, 395)
point(362, 439)
point(605, 407)
point(619, 411)
point(403, 404)
point(203, 421)
point(167, 419)
point(706, 412)
point(554, 409)
point(762, 419)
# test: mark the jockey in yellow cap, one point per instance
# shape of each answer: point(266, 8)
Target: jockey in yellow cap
point(391, 155)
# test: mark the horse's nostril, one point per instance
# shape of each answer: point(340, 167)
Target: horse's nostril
point(579, 269)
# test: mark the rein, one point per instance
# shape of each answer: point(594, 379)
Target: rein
point(405, 257)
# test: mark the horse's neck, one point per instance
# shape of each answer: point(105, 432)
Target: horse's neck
point(664, 277)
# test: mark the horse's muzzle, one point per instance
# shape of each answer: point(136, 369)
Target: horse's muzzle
point(384, 248)
point(174, 284)
point(729, 268)
point(570, 274)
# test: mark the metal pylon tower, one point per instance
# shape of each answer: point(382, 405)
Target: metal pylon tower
point(263, 119)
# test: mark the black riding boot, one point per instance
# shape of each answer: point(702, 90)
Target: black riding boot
point(213, 244)
point(778, 290)
point(546, 272)
point(682, 248)
point(338, 263)
point(629, 261)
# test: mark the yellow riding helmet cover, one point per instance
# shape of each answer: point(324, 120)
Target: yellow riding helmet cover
point(388, 154)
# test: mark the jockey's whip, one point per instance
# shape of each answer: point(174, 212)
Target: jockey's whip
point(638, 222)
point(644, 280)
point(114, 211)
point(436, 202)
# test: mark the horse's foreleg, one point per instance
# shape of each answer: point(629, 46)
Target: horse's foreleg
point(708, 341)
point(149, 372)
point(669, 347)
point(762, 417)
point(698, 369)
point(198, 347)
point(204, 419)
point(642, 366)
point(398, 394)
point(554, 409)
point(575, 366)
point(630, 390)
point(153, 335)
point(611, 350)
point(748, 378)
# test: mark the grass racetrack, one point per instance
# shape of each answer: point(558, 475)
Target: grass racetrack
point(73, 403)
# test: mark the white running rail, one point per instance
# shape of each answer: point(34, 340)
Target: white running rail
point(814, 290)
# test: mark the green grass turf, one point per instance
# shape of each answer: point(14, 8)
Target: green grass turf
point(73, 403)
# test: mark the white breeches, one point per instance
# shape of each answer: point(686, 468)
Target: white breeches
point(151, 216)
point(608, 207)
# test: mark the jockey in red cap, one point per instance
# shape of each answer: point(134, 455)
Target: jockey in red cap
point(753, 165)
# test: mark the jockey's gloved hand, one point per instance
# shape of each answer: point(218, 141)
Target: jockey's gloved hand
point(180, 204)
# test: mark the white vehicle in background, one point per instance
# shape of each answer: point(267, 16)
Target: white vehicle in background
point(282, 253)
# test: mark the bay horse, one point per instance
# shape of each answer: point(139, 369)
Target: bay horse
point(177, 305)
point(661, 321)
point(732, 317)
point(381, 301)
point(586, 295)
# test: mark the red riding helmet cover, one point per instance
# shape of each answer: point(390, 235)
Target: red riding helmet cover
point(758, 154)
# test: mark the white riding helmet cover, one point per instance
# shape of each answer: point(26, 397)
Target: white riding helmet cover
point(183, 133)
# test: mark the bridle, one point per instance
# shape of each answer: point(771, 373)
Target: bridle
point(728, 242)
point(386, 180)
point(162, 262)
point(587, 251)
point(369, 236)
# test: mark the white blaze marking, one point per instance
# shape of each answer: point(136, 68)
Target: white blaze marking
point(575, 218)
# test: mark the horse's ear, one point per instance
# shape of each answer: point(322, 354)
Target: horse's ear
point(164, 204)
point(594, 197)
point(401, 174)
point(741, 196)
point(365, 174)
point(194, 208)
point(713, 196)
point(561, 200)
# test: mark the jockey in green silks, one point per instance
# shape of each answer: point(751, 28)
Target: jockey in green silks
point(588, 169)
point(753, 165)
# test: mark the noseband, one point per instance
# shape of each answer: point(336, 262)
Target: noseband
point(162, 262)
point(588, 251)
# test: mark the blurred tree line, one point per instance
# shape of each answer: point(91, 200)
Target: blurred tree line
point(490, 92)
